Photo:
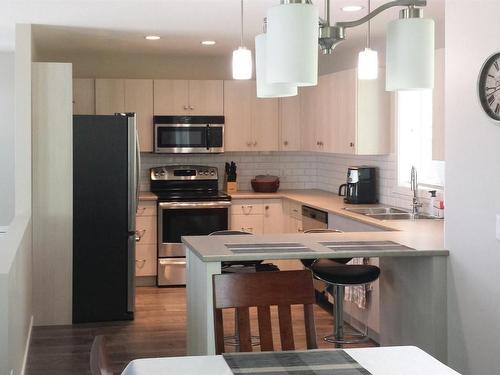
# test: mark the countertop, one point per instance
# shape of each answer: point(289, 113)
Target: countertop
point(425, 237)
point(147, 196)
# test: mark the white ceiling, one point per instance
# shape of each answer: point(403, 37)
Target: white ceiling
point(120, 25)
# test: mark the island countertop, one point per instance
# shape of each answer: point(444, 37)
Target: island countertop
point(214, 249)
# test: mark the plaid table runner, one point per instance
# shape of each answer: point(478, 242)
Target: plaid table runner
point(307, 362)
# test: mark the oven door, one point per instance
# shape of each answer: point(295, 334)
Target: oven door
point(177, 219)
point(189, 138)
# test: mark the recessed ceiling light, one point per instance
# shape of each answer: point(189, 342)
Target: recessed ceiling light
point(352, 8)
point(208, 42)
point(152, 37)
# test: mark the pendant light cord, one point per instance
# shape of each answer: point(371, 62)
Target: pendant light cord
point(241, 36)
point(368, 41)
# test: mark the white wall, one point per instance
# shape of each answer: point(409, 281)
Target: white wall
point(16, 245)
point(472, 191)
point(6, 137)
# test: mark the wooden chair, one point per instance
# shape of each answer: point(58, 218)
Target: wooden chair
point(263, 290)
point(99, 359)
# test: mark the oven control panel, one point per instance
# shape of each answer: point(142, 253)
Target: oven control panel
point(185, 172)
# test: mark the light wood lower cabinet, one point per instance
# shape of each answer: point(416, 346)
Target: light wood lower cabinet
point(146, 239)
point(257, 216)
point(292, 216)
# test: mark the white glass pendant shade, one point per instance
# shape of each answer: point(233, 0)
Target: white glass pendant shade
point(292, 44)
point(410, 54)
point(368, 64)
point(242, 63)
point(264, 89)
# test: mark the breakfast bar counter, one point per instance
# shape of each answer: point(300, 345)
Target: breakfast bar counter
point(412, 281)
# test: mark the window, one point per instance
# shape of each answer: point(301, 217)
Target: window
point(414, 118)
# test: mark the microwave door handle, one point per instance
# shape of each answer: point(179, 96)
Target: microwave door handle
point(208, 136)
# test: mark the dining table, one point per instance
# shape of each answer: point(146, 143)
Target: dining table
point(396, 360)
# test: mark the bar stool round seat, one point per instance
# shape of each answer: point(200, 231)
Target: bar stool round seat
point(332, 272)
point(337, 276)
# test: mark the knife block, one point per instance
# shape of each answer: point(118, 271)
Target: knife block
point(230, 186)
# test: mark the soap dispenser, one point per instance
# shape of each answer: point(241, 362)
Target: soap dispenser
point(432, 201)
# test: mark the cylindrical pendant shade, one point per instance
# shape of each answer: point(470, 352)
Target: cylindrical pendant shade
point(242, 63)
point(292, 44)
point(368, 64)
point(264, 89)
point(410, 54)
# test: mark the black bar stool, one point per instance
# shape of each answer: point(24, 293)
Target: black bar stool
point(337, 275)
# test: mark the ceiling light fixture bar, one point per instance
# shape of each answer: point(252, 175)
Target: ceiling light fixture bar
point(332, 35)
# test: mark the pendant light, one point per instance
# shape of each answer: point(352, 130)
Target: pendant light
point(242, 57)
point(410, 52)
point(264, 89)
point(368, 59)
point(292, 43)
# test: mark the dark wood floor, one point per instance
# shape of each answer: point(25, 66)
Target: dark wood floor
point(159, 330)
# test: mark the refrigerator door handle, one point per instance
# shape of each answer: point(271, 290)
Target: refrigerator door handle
point(133, 191)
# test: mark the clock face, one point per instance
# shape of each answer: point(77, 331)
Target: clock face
point(489, 87)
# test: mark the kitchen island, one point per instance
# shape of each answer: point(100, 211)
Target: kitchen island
point(412, 282)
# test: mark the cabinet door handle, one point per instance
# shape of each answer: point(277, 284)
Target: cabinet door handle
point(186, 107)
point(249, 144)
point(351, 144)
point(140, 263)
point(285, 143)
point(139, 234)
point(266, 207)
point(191, 107)
point(140, 211)
point(243, 209)
point(300, 230)
point(255, 143)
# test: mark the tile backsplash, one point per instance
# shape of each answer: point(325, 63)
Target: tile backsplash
point(296, 170)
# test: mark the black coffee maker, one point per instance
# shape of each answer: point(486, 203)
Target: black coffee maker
point(361, 187)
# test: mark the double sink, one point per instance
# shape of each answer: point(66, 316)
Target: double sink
point(388, 213)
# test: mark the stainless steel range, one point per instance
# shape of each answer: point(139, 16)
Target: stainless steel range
point(189, 203)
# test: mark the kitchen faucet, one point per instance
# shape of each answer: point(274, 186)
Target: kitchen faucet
point(414, 187)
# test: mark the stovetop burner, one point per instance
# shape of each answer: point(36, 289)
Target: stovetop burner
point(186, 183)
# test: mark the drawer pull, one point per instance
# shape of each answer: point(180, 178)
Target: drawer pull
point(244, 210)
point(141, 211)
point(139, 234)
point(140, 263)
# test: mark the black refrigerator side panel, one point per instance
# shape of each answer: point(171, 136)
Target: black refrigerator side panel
point(100, 247)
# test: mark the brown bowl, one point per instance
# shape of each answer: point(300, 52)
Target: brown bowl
point(265, 184)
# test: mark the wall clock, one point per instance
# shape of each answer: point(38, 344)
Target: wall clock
point(489, 86)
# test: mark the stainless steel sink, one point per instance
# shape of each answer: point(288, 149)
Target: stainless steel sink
point(376, 210)
point(388, 213)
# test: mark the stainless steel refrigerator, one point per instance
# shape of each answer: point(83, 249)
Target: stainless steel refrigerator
point(106, 168)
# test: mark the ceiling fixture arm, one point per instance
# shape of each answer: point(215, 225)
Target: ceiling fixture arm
point(331, 35)
point(380, 9)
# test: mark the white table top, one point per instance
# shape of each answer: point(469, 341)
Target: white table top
point(398, 360)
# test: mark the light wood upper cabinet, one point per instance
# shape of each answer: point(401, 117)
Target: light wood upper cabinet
point(290, 130)
point(139, 99)
point(83, 96)
point(206, 97)
point(128, 95)
point(238, 113)
point(316, 124)
point(438, 107)
point(171, 97)
point(346, 116)
point(182, 97)
point(109, 96)
point(252, 124)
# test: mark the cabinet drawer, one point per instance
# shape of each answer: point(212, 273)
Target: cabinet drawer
point(247, 207)
point(145, 260)
point(248, 223)
point(146, 230)
point(146, 208)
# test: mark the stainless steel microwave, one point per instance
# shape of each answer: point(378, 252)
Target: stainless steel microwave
point(188, 134)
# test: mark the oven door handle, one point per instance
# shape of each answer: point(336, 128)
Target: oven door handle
point(193, 205)
point(168, 262)
point(208, 136)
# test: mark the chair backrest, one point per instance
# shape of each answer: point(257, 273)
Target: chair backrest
point(99, 359)
point(263, 290)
